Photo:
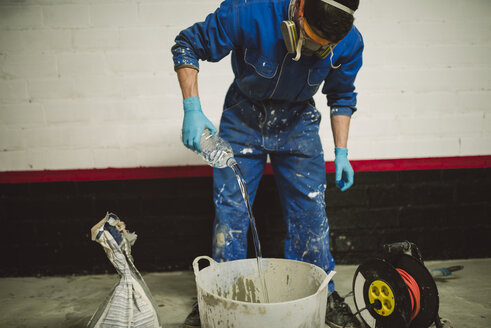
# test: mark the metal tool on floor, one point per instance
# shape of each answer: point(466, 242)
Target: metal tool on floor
point(397, 290)
point(443, 273)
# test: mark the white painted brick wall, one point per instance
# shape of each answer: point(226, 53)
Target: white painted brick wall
point(90, 83)
point(66, 15)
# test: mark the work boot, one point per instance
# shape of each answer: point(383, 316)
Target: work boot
point(192, 320)
point(338, 313)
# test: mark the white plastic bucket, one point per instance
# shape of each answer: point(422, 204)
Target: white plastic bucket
point(230, 294)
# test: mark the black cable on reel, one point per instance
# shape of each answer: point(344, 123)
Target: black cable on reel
point(377, 305)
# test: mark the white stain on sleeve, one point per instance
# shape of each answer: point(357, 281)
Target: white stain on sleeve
point(246, 151)
point(314, 194)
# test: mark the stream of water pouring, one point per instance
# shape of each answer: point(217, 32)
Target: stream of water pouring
point(257, 245)
point(218, 153)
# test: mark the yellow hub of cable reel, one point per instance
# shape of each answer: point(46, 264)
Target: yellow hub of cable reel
point(379, 290)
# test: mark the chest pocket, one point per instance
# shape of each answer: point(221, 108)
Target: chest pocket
point(258, 76)
point(316, 76)
point(263, 66)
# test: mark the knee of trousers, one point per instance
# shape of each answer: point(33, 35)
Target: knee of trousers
point(309, 223)
point(230, 235)
point(308, 239)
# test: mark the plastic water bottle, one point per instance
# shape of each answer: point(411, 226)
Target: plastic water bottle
point(216, 151)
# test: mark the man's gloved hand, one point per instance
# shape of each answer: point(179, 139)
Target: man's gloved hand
point(194, 123)
point(344, 171)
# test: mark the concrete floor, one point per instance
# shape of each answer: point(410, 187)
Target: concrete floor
point(69, 302)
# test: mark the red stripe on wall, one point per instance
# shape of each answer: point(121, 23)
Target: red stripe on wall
point(206, 171)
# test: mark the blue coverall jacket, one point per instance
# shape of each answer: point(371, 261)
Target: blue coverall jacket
point(269, 110)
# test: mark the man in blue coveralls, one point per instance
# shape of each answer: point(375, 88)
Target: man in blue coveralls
point(282, 51)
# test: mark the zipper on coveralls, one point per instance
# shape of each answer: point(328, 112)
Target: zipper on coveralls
point(279, 76)
point(261, 124)
point(263, 121)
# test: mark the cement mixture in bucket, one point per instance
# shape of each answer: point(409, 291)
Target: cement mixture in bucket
point(229, 294)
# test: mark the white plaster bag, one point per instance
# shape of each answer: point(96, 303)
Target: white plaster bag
point(130, 303)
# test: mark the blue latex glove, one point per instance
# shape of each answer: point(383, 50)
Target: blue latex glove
point(194, 123)
point(344, 171)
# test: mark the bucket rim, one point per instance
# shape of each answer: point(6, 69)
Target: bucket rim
point(322, 286)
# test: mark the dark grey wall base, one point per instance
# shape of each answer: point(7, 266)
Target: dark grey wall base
point(46, 226)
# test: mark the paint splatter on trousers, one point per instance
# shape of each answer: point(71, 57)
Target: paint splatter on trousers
point(289, 134)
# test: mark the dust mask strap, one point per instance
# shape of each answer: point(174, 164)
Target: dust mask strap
point(299, 47)
point(332, 54)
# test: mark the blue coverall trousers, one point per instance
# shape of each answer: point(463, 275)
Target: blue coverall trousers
point(289, 134)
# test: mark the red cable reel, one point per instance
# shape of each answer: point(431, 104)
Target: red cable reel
point(395, 292)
